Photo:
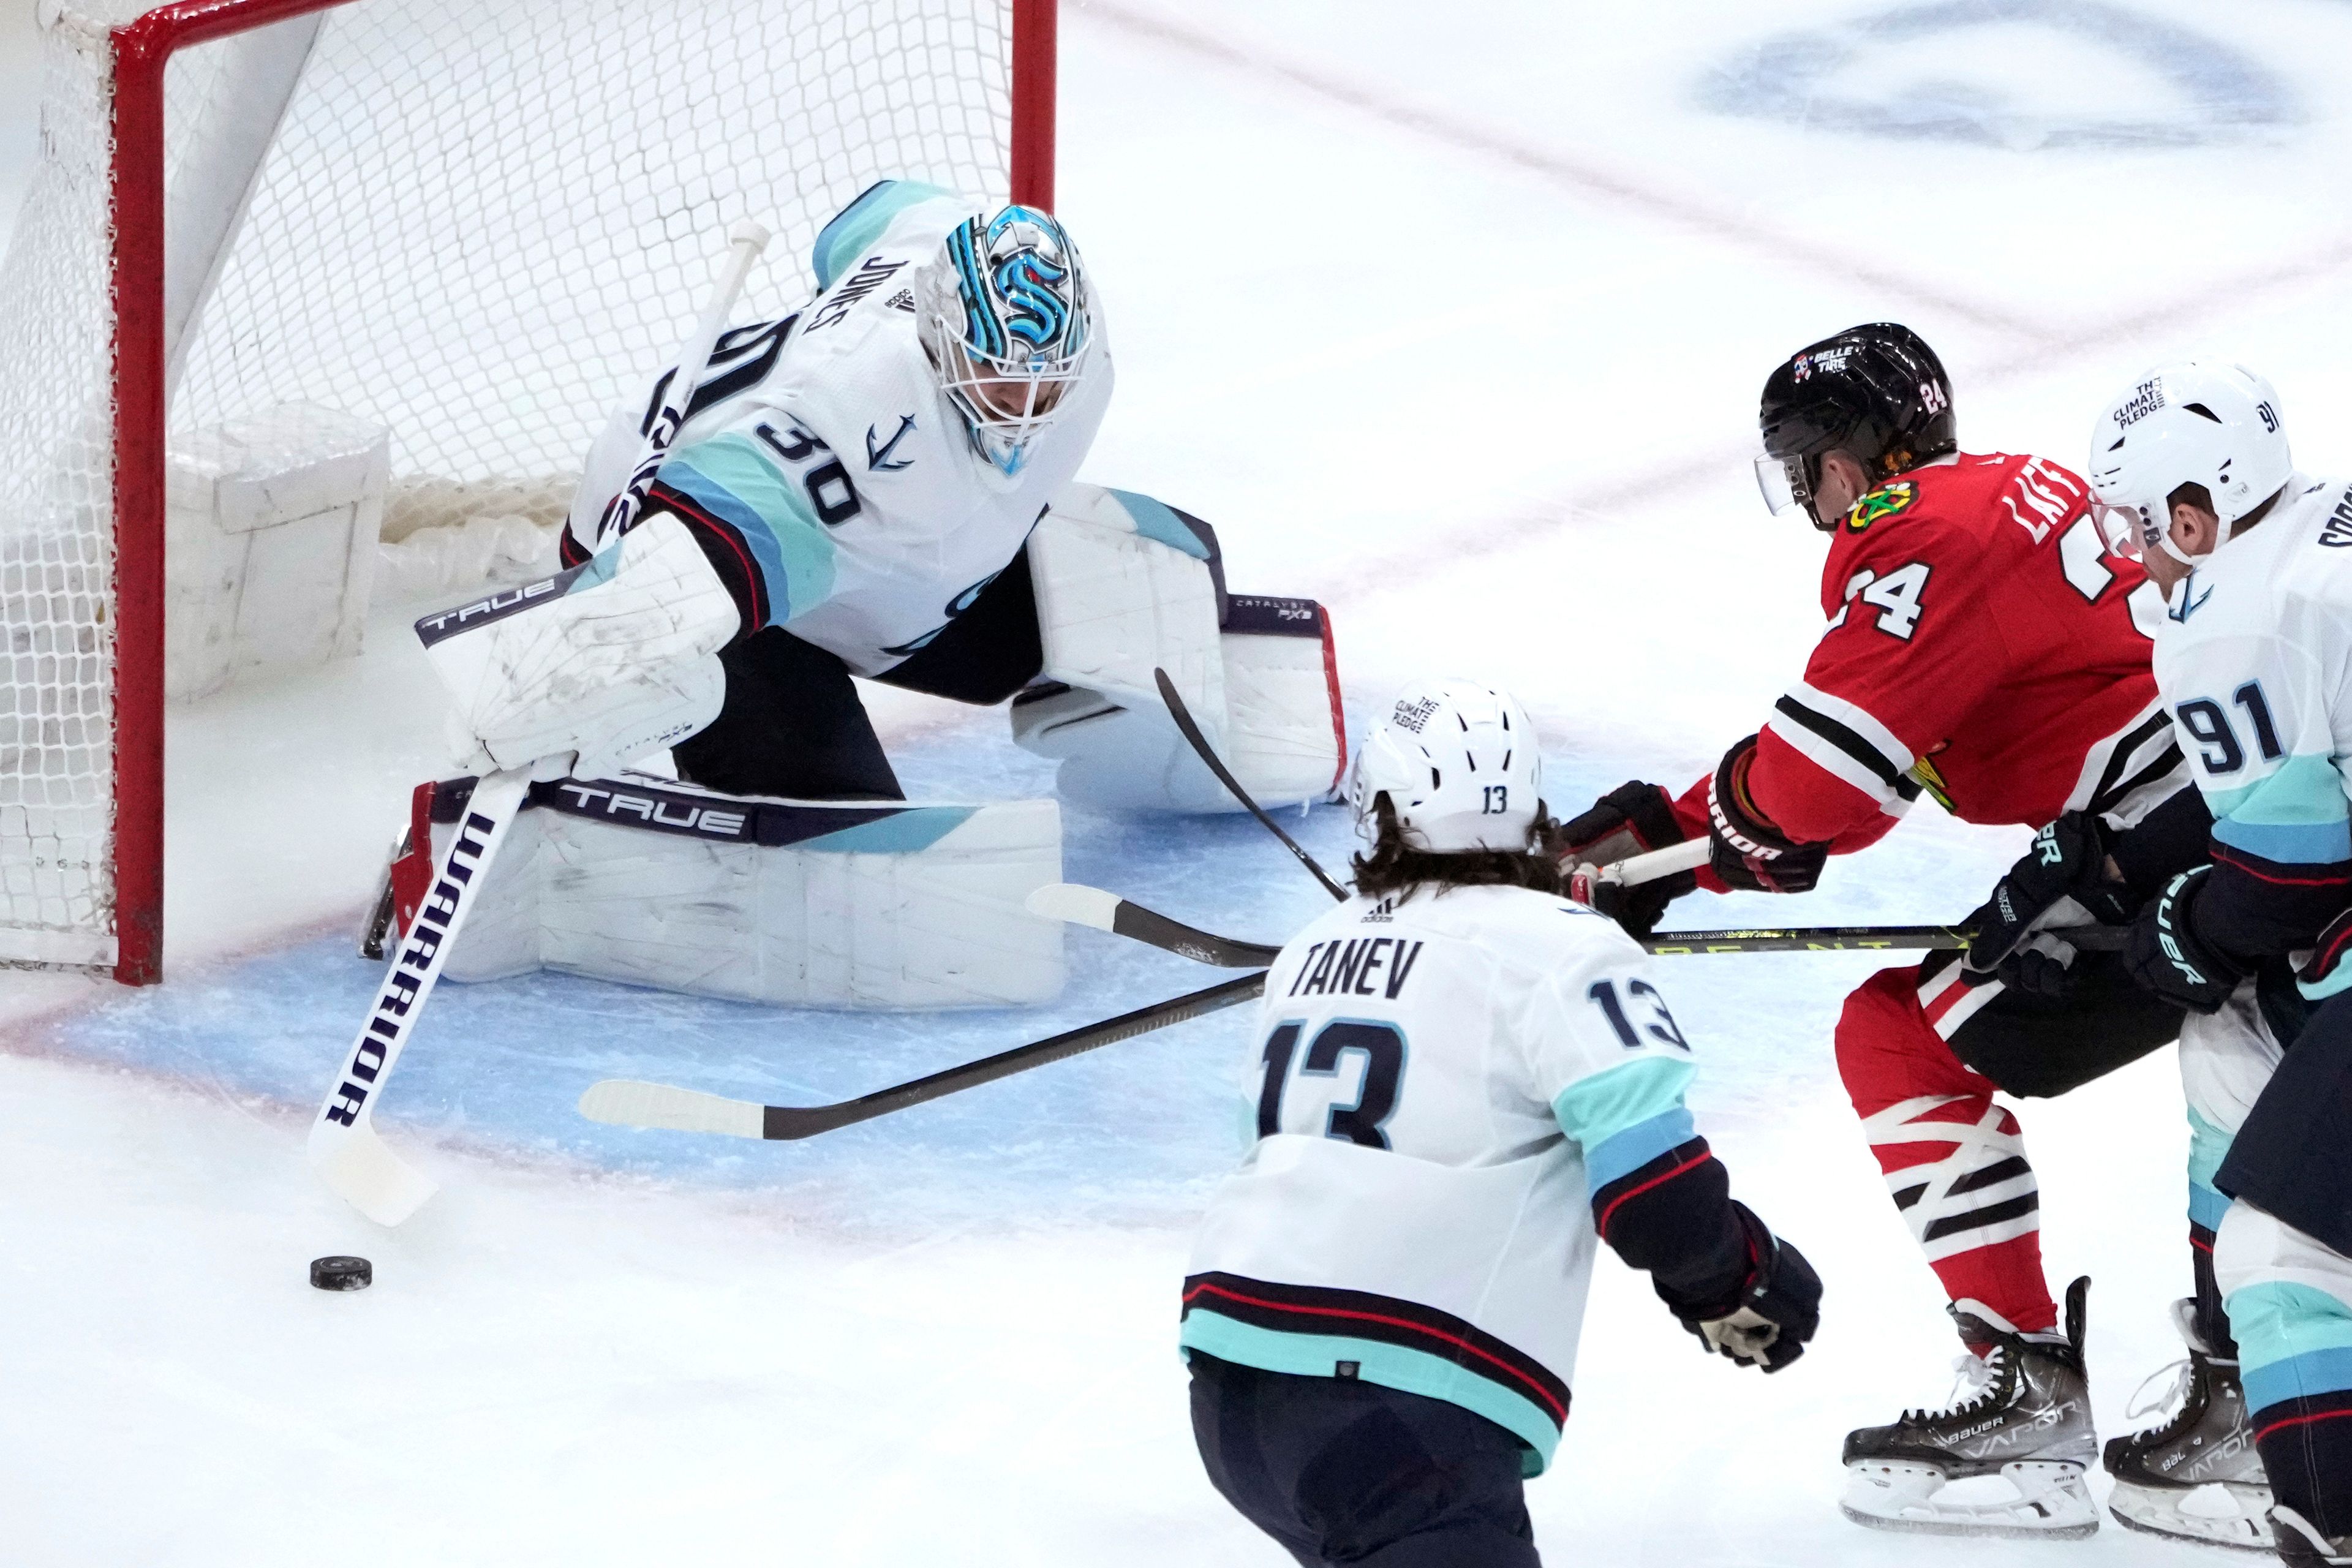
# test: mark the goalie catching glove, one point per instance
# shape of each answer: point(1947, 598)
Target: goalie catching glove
point(610, 659)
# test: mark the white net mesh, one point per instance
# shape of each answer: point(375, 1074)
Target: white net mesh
point(478, 226)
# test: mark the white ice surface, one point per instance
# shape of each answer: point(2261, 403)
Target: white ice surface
point(1454, 319)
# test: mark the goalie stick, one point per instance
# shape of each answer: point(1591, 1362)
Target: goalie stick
point(631, 1102)
point(1076, 904)
point(343, 1146)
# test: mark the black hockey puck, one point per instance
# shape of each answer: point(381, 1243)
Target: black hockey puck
point(342, 1273)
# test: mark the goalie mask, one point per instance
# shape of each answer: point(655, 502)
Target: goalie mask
point(2196, 423)
point(1006, 319)
point(1459, 764)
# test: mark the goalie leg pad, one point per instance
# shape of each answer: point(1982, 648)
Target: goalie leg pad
point(860, 906)
point(1125, 586)
point(609, 659)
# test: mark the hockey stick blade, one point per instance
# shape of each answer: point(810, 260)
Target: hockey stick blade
point(1199, 743)
point(630, 1103)
point(1076, 904)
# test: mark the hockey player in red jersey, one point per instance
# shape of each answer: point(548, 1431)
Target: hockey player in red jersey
point(1985, 645)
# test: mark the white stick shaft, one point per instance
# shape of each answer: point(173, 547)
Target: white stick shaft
point(745, 241)
point(1658, 864)
point(343, 1147)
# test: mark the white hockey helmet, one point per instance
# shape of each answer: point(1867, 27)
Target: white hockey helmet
point(2199, 422)
point(1460, 765)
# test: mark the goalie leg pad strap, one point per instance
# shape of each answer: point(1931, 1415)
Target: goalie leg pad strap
point(871, 905)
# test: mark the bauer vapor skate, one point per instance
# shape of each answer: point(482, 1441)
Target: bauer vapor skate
point(2022, 1416)
point(2196, 1476)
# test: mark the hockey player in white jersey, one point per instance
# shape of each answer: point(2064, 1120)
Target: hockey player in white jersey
point(878, 485)
point(1461, 1083)
point(861, 473)
point(2254, 661)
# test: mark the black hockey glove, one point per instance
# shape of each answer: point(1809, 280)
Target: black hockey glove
point(1767, 1323)
point(1744, 848)
point(2067, 862)
point(2166, 956)
point(1632, 819)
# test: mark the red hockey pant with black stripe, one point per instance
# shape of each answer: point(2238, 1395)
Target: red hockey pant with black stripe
point(1922, 1055)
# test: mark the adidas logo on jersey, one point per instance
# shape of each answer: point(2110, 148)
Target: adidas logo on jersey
point(902, 301)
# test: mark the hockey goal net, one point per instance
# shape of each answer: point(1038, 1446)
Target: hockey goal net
point(471, 223)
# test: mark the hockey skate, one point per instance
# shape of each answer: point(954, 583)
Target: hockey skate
point(2021, 1415)
point(2195, 1476)
point(2302, 1546)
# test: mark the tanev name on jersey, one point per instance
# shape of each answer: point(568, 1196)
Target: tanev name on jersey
point(1348, 968)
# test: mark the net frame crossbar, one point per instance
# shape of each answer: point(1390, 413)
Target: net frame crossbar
point(143, 48)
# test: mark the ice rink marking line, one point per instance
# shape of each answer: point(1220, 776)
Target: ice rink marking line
point(1582, 176)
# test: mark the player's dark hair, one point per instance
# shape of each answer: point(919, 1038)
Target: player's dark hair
point(2196, 495)
point(2200, 498)
point(1395, 868)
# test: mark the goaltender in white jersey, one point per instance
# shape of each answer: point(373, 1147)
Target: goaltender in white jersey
point(878, 485)
point(1461, 1083)
point(875, 476)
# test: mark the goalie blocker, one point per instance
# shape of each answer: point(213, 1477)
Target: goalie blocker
point(652, 882)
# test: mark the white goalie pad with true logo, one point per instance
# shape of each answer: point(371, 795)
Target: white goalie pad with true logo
point(859, 905)
point(1126, 585)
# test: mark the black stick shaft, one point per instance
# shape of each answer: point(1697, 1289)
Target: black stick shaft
point(790, 1122)
point(1834, 939)
point(1200, 742)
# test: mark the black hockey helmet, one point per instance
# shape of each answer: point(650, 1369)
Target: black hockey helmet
point(1876, 393)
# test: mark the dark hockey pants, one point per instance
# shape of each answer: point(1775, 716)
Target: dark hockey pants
point(793, 723)
point(1341, 1471)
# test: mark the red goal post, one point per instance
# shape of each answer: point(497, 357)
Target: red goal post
point(951, 39)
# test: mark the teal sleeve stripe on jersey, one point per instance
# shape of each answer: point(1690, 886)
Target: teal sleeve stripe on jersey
point(857, 225)
point(1595, 1110)
point(1390, 1366)
point(2304, 788)
point(1157, 521)
point(2320, 990)
point(2288, 843)
point(1636, 1146)
point(2293, 1340)
point(731, 477)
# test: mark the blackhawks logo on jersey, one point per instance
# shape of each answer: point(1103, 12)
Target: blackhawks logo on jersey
point(1883, 502)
